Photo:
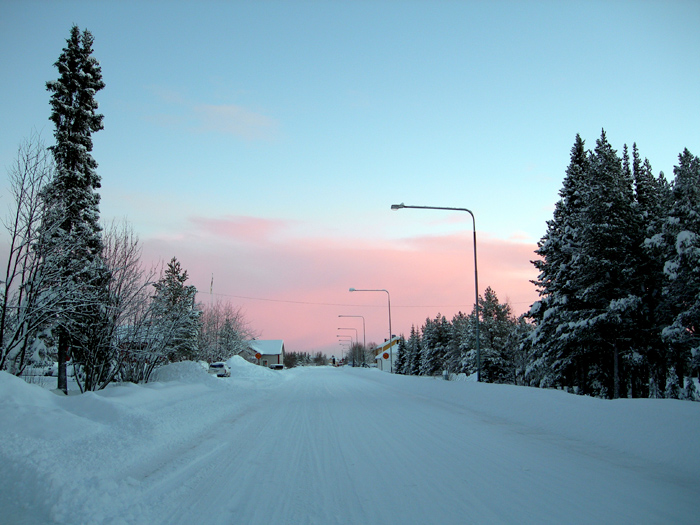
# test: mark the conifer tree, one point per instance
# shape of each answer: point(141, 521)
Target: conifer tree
point(652, 199)
point(414, 353)
point(401, 357)
point(72, 236)
point(435, 343)
point(681, 244)
point(555, 357)
point(591, 288)
point(176, 314)
point(498, 341)
point(604, 270)
point(462, 358)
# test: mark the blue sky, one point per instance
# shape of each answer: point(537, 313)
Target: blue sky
point(300, 123)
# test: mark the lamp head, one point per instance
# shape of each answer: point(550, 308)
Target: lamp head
point(398, 206)
point(352, 289)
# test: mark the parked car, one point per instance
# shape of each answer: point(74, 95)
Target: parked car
point(278, 366)
point(219, 369)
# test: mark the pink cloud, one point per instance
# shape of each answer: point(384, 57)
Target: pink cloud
point(241, 228)
point(294, 289)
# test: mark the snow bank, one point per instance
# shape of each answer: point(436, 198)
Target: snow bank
point(243, 369)
point(184, 371)
point(653, 429)
point(59, 455)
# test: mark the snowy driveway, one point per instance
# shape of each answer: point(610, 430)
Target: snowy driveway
point(358, 446)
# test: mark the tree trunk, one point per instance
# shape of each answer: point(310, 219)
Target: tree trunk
point(616, 373)
point(62, 356)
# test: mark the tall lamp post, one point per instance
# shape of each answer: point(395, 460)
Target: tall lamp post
point(388, 298)
point(355, 348)
point(345, 340)
point(351, 329)
point(342, 351)
point(476, 273)
point(364, 332)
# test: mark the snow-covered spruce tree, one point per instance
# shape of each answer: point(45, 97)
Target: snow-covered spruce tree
point(414, 350)
point(680, 240)
point(435, 343)
point(72, 235)
point(522, 354)
point(462, 358)
point(591, 282)
point(175, 314)
point(606, 301)
point(401, 364)
point(646, 364)
point(554, 356)
point(499, 340)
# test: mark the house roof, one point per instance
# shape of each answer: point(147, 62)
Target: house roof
point(386, 345)
point(267, 346)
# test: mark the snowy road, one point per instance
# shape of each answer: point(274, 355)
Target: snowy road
point(357, 446)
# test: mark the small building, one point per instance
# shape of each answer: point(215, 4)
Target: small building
point(383, 354)
point(268, 352)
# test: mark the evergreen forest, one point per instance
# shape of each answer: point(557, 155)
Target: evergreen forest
point(619, 290)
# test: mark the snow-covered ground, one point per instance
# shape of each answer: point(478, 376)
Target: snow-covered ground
point(356, 446)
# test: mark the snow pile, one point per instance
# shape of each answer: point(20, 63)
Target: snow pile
point(60, 455)
point(184, 371)
point(243, 369)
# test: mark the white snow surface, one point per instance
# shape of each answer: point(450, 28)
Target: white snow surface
point(341, 445)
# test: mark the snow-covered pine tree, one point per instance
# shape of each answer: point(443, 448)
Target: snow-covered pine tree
point(646, 362)
point(554, 355)
point(681, 244)
point(499, 341)
point(401, 364)
point(603, 271)
point(523, 352)
point(72, 235)
point(175, 313)
point(435, 344)
point(463, 344)
point(414, 353)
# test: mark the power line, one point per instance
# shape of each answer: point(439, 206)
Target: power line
point(313, 303)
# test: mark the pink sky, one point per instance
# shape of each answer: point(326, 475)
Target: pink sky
point(294, 288)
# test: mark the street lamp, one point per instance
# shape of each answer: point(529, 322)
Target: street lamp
point(351, 329)
point(388, 298)
point(364, 332)
point(476, 273)
point(343, 342)
point(354, 348)
point(342, 350)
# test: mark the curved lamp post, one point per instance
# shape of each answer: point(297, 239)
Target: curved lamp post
point(351, 329)
point(343, 341)
point(364, 332)
point(355, 348)
point(476, 273)
point(388, 298)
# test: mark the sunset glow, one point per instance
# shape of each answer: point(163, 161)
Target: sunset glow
point(263, 143)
